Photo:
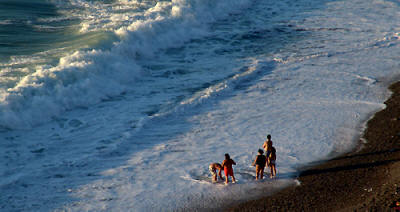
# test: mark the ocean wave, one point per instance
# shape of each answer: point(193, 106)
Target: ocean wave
point(6, 22)
point(87, 77)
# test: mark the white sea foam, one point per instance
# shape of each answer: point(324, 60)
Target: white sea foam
point(5, 22)
point(87, 77)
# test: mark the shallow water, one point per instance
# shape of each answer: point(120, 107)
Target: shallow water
point(124, 104)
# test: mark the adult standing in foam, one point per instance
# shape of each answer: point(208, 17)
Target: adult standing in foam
point(267, 146)
point(227, 165)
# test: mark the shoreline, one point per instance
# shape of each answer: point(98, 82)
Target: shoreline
point(366, 178)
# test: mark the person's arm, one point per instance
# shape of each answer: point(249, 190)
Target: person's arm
point(223, 164)
point(233, 162)
point(254, 162)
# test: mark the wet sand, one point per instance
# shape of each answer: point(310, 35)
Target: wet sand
point(366, 179)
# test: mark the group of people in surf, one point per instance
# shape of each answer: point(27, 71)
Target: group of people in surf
point(260, 162)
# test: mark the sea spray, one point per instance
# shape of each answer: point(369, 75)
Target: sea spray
point(87, 77)
point(299, 71)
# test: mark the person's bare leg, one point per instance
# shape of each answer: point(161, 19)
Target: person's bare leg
point(257, 173)
point(274, 171)
point(262, 174)
point(233, 179)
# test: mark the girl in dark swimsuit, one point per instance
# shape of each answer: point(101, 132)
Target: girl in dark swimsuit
point(260, 162)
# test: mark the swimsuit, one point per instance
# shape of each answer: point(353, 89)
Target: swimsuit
point(267, 153)
point(228, 167)
point(261, 160)
point(228, 171)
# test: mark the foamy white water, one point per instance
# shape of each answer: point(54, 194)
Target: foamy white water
point(132, 125)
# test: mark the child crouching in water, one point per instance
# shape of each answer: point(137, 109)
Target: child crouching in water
point(260, 162)
point(213, 170)
point(227, 165)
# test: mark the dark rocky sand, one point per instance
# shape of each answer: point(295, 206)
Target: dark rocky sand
point(367, 179)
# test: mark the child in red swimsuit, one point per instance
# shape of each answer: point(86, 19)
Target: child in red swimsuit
point(227, 164)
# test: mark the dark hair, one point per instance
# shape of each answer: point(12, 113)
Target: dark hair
point(260, 151)
point(269, 136)
point(227, 156)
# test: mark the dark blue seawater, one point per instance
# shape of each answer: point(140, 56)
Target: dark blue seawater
point(25, 27)
point(97, 98)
